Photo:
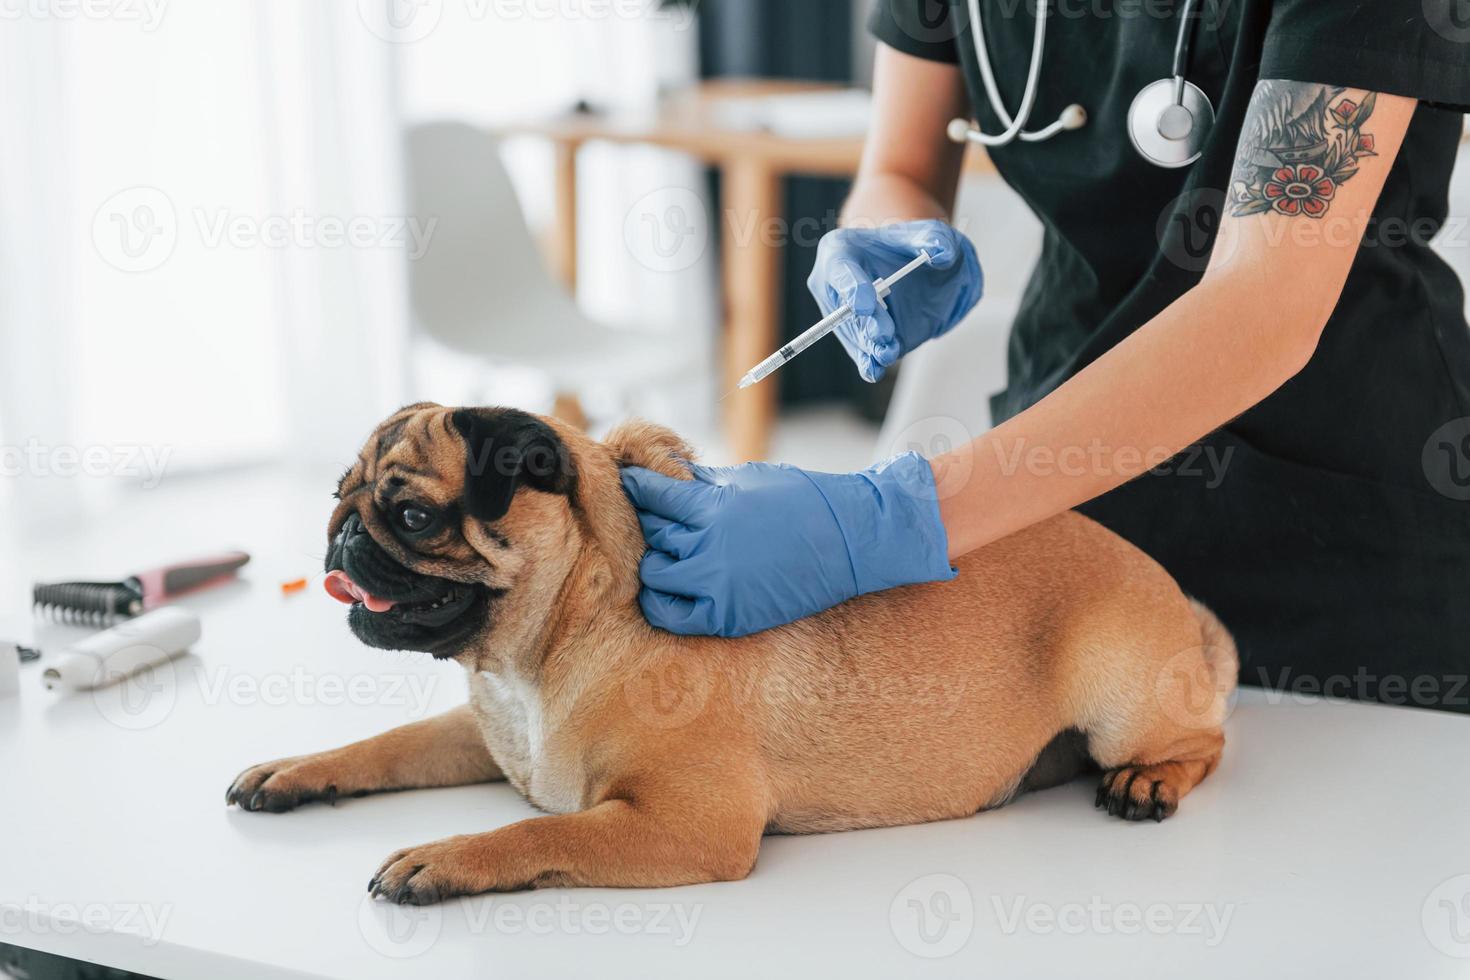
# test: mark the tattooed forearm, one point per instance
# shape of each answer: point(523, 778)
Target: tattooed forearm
point(1301, 142)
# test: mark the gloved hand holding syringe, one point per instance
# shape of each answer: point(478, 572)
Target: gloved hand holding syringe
point(828, 323)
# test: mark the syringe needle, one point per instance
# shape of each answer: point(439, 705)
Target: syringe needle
point(825, 325)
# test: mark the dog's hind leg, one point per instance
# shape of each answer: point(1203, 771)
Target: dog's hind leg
point(1140, 790)
point(1157, 733)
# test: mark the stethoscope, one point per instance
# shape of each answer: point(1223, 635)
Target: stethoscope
point(1168, 121)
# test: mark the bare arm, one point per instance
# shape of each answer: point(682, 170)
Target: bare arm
point(1282, 257)
point(909, 170)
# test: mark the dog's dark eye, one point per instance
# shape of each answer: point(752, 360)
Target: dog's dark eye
point(414, 519)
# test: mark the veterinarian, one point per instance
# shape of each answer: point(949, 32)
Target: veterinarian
point(1235, 261)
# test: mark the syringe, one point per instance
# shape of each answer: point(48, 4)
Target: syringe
point(826, 325)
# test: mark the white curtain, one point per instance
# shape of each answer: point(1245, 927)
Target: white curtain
point(333, 156)
point(180, 289)
point(202, 242)
point(37, 312)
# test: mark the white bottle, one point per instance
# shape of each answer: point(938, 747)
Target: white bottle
point(9, 669)
point(114, 654)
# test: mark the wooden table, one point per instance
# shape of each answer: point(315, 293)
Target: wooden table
point(752, 164)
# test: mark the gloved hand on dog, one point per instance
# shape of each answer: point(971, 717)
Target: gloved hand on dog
point(928, 303)
point(741, 549)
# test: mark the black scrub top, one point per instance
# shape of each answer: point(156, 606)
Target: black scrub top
point(1329, 526)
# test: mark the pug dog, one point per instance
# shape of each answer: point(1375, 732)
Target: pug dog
point(503, 541)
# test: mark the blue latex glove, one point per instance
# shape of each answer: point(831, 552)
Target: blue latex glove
point(927, 303)
point(744, 548)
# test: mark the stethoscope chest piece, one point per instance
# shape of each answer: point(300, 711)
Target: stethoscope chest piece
point(1169, 124)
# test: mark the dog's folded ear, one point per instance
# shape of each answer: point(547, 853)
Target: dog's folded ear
point(505, 450)
point(641, 443)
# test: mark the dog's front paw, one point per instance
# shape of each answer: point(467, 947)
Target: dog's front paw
point(444, 869)
point(420, 875)
point(285, 784)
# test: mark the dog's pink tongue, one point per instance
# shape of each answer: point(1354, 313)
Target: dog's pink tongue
point(339, 586)
point(375, 604)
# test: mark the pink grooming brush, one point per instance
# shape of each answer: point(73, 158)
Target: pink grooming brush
point(103, 603)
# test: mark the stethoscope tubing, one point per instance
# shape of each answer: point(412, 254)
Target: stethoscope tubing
point(1014, 127)
point(1073, 117)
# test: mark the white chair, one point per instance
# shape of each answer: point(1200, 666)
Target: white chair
point(481, 289)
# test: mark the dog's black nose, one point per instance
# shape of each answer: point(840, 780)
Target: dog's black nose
point(351, 529)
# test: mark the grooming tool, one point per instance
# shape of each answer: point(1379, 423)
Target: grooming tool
point(104, 603)
point(882, 285)
point(108, 657)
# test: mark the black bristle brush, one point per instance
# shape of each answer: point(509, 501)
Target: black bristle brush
point(104, 603)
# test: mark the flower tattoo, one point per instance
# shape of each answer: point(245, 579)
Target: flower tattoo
point(1300, 190)
point(1301, 142)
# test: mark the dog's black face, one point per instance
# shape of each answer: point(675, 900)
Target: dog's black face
point(412, 548)
point(397, 608)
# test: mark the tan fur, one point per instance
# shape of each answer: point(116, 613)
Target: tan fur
point(664, 758)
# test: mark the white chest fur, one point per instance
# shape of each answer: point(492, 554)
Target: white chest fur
point(514, 724)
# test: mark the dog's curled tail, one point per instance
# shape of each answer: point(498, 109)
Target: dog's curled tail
point(1219, 646)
